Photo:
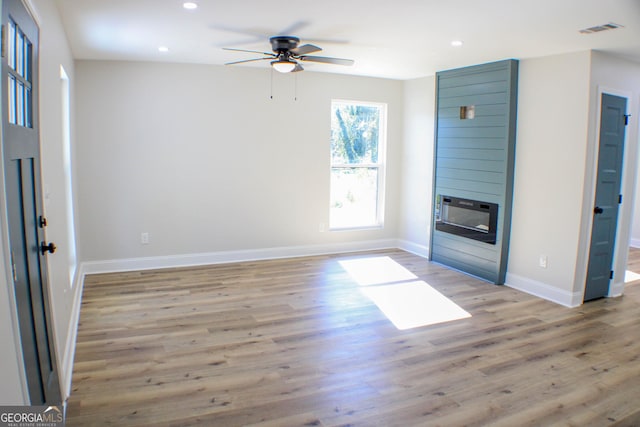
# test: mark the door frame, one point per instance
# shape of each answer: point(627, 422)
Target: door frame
point(627, 189)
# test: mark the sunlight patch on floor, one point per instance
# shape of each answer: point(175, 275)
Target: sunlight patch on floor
point(413, 304)
point(406, 302)
point(630, 276)
point(376, 270)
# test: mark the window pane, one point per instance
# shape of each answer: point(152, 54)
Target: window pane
point(354, 197)
point(354, 133)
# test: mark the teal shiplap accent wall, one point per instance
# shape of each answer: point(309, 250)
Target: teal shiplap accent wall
point(474, 159)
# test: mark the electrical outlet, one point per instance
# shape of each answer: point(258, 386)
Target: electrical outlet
point(144, 238)
point(542, 262)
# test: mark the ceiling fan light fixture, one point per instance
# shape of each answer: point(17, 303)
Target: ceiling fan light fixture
point(284, 65)
point(287, 56)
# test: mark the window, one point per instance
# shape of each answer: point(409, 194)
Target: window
point(66, 157)
point(358, 132)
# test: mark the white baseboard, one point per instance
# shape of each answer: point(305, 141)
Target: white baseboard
point(72, 333)
point(190, 260)
point(414, 248)
point(634, 243)
point(616, 289)
point(543, 290)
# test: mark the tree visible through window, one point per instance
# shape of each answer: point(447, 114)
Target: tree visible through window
point(357, 164)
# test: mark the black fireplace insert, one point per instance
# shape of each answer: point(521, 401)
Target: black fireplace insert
point(472, 219)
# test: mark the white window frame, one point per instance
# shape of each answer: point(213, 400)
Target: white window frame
point(380, 165)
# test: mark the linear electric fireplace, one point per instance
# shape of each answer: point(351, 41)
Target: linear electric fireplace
point(472, 219)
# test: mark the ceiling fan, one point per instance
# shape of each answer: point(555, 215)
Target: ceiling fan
point(287, 55)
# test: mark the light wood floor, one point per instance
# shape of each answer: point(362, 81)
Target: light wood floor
point(633, 262)
point(295, 343)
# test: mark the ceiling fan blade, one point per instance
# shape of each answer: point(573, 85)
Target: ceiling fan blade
point(295, 27)
point(326, 41)
point(305, 49)
point(259, 34)
point(298, 68)
point(246, 60)
point(250, 51)
point(327, 60)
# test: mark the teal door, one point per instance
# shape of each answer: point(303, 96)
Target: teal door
point(21, 149)
point(608, 198)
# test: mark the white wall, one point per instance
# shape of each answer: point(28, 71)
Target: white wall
point(551, 154)
point(417, 164)
point(204, 161)
point(54, 51)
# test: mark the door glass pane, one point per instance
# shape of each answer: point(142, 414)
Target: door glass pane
point(20, 105)
point(11, 108)
point(11, 45)
point(20, 53)
point(27, 60)
point(27, 108)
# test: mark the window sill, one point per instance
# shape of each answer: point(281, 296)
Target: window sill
point(358, 228)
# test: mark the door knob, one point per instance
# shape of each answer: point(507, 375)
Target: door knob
point(44, 248)
point(597, 210)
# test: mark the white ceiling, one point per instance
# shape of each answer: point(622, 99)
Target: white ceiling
point(398, 39)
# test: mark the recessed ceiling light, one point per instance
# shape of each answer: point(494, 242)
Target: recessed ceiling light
point(163, 49)
point(457, 43)
point(190, 5)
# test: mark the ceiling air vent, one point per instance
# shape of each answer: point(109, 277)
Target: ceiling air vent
point(599, 28)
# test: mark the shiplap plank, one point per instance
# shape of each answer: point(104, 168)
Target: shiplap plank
point(457, 101)
point(472, 165)
point(474, 186)
point(478, 122)
point(471, 175)
point(456, 78)
point(487, 143)
point(473, 132)
point(471, 153)
point(475, 89)
point(484, 251)
point(464, 262)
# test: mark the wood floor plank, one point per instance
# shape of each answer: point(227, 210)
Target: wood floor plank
point(293, 342)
